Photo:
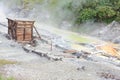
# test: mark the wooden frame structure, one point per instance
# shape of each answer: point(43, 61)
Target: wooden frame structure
point(20, 30)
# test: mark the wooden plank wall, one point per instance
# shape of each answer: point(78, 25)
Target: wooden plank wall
point(21, 30)
point(24, 31)
point(12, 28)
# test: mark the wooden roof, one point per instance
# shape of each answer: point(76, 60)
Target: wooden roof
point(20, 19)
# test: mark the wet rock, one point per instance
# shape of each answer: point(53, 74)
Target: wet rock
point(78, 54)
point(85, 52)
point(70, 51)
point(82, 54)
point(81, 68)
point(116, 40)
point(34, 43)
point(108, 75)
point(7, 36)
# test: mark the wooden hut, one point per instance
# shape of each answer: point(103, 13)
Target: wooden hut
point(20, 30)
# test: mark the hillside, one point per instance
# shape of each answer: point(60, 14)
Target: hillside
point(79, 40)
point(29, 66)
point(108, 33)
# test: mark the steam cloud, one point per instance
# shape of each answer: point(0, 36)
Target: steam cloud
point(54, 14)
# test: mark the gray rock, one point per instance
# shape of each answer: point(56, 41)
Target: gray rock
point(116, 40)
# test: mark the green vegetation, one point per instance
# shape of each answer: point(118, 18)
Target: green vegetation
point(4, 78)
point(4, 62)
point(97, 10)
point(78, 38)
point(86, 14)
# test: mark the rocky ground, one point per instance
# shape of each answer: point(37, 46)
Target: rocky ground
point(109, 32)
point(30, 66)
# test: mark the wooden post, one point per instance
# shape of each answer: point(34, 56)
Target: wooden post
point(37, 32)
point(51, 45)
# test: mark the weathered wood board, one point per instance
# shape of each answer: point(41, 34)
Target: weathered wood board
point(20, 30)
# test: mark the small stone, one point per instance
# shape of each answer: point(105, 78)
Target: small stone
point(81, 68)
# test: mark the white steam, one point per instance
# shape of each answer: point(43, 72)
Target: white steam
point(2, 14)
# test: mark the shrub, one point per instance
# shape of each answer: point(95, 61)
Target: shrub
point(86, 14)
point(118, 17)
point(105, 13)
point(98, 10)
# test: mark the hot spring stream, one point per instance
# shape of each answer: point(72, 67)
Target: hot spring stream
point(66, 38)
